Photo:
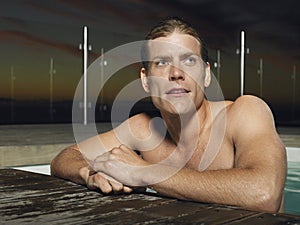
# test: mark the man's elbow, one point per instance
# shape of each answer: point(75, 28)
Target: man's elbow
point(267, 201)
point(56, 163)
point(53, 167)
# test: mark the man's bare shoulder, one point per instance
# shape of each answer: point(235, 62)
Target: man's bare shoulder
point(248, 105)
point(140, 127)
point(251, 113)
point(140, 122)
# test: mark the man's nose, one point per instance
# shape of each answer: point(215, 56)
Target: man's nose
point(176, 73)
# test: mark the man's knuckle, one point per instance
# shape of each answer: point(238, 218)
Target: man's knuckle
point(108, 165)
point(112, 157)
point(115, 151)
point(98, 176)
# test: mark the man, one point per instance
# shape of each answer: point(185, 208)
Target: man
point(219, 152)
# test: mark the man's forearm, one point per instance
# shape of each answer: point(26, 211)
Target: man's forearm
point(70, 165)
point(240, 187)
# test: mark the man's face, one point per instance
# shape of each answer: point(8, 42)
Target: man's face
point(176, 76)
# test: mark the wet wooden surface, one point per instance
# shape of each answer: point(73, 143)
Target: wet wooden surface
point(30, 198)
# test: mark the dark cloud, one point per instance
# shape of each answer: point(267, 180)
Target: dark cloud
point(13, 21)
point(22, 38)
point(219, 21)
point(57, 10)
point(272, 33)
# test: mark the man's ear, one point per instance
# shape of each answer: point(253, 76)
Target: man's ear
point(207, 78)
point(144, 79)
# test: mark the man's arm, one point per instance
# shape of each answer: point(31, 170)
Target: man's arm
point(256, 182)
point(70, 164)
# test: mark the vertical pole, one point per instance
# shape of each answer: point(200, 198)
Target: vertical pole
point(12, 86)
point(51, 89)
point(85, 47)
point(101, 78)
point(219, 64)
point(294, 91)
point(242, 61)
point(85, 52)
point(261, 73)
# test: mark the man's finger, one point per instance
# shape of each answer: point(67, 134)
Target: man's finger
point(127, 189)
point(116, 186)
point(102, 183)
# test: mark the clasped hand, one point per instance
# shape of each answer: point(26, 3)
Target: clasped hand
point(118, 170)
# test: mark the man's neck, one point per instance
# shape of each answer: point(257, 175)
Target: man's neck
point(182, 128)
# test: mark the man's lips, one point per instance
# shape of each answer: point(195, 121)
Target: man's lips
point(177, 91)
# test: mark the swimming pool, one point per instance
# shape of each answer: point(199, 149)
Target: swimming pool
point(292, 185)
point(291, 190)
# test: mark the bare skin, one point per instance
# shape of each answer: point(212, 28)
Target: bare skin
point(237, 162)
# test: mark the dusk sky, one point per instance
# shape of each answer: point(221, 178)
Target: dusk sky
point(33, 31)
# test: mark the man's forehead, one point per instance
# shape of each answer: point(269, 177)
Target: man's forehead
point(156, 48)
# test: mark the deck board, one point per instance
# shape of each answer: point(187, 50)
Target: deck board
point(30, 198)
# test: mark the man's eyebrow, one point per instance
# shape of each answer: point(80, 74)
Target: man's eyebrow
point(188, 54)
point(161, 57)
point(181, 56)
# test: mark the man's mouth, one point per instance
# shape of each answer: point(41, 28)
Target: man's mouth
point(177, 91)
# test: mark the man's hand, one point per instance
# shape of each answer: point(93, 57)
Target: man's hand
point(97, 180)
point(122, 164)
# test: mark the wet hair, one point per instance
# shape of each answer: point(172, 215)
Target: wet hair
point(166, 28)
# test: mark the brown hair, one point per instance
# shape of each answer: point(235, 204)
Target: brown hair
point(169, 26)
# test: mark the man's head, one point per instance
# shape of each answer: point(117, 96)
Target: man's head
point(174, 71)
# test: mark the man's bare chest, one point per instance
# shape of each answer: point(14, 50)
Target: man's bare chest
point(201, 156)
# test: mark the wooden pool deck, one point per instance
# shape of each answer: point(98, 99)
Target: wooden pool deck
point(30, 198)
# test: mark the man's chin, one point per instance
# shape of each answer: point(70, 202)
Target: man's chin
point(180, 111)
point(177, 108)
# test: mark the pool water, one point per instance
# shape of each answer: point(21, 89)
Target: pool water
point(292, 189)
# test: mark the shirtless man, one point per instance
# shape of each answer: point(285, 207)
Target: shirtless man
point(218, 152)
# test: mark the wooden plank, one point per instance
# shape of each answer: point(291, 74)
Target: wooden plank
point(215, 215)
point(269, 219)
point(55, 200)
point(29, 198)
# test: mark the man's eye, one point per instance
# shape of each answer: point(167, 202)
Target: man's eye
point(190, 60)
point(161, 62)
